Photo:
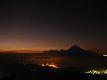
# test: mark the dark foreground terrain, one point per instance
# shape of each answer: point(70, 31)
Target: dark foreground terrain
point(10, 71)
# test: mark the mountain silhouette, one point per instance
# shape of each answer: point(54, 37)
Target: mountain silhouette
point(75, 48)
point(75, 51)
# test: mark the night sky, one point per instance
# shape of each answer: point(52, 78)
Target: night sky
point(52, 24)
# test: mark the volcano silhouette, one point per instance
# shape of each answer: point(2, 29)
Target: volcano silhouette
point(75, 51)
point(75, 48)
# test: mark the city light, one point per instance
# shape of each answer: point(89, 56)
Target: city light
point(105, 55)
point(50, 65)
point(102, 72)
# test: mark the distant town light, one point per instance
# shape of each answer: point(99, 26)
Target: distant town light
point(43, 64)
point(97, 72)
point(104, 55)
point(49, 65)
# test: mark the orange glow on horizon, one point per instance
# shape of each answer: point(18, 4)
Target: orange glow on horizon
point(22, 49)
point(50, 65)
point(19, 51)
point(27, 49)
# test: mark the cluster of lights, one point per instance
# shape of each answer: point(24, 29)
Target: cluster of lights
point(102, 72)
point(49, 65)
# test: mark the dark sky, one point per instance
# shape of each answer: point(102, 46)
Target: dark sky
point(52, 24)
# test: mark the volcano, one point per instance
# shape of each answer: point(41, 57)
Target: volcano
point(75, 51)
